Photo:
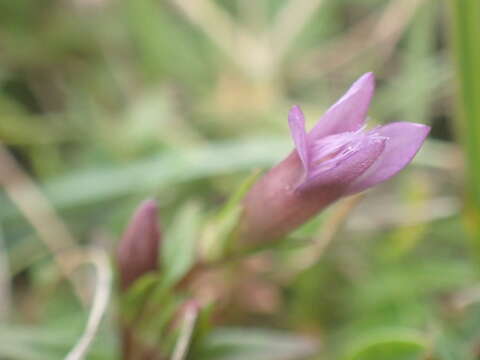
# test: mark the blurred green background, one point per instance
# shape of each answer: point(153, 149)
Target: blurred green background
point(106, 102)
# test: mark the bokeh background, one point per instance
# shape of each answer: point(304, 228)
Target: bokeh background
point(106, 102)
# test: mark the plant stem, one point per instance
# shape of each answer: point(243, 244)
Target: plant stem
point(466, 48)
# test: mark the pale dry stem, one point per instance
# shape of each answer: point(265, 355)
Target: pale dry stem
point(308, 256)
point(35, 207)
point(99, 259)
point(181, 348)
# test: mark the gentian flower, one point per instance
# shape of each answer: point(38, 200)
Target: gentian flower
point(338, 157)
point(137, 253)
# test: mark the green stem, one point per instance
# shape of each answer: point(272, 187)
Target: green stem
point(466, 48)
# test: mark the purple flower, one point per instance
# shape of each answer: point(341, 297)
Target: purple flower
point(137, 252)
point(338, 157)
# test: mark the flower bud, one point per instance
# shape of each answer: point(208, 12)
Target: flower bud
point(137, 252)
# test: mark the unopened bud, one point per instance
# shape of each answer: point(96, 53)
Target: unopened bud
point(137, 253)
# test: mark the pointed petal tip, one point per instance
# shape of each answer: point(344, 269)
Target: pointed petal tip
point(405, 139)
point(423, 128)
point(369, 75)
point(423, 131)
point(365, 85)
point(367, 81)
point(296, 122)
point(350, 111)
point(296, 119)
point(295, 112)
point(414, 130)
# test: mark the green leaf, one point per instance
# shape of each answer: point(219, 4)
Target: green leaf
point(466, 27)
point(38, 343)
point(135, 297)
point(391, 345)
point(257, 344)
point(219, 231)
point(168, 167)
point(179, 249)
point(176, 166)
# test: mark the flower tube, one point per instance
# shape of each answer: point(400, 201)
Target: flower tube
point(337, 158)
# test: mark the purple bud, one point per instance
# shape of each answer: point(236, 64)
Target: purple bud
point(137, 252)
point(338, 157)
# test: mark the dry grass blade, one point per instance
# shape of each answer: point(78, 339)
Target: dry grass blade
point(212, 20)
point(289, 23)
point(247, 51)
point(99, 259)
point(308, 256)
point(36, 208)
point(382, 29)
point(190, 317)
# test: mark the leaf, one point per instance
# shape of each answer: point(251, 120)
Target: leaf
point(180, 246)
point(137, 294)
point(39, 343)
point(163, 169)
point(257, 344)
point(465, 29)
point(176, 166)
point(218, 232)
point(392, 345)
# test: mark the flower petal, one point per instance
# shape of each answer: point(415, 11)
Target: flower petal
point(296, 121)
point(348, 113)
point(404, 141)
point(348, 169)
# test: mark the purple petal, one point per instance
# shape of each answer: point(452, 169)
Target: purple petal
point(404, 141)
point(348, 113)
point(296, 121)
point(347, 170)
